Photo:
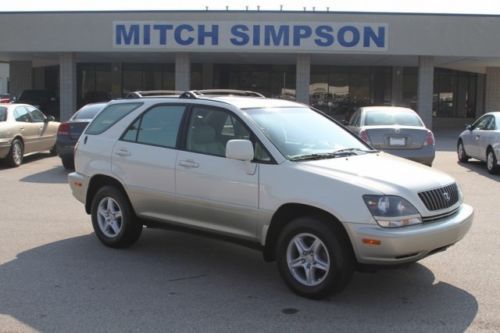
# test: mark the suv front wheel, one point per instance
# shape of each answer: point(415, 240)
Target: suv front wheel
point(314, 257)
point(113, 219)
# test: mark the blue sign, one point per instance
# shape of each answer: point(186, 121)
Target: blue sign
point(243, 35)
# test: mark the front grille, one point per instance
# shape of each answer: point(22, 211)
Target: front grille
point(440, 198)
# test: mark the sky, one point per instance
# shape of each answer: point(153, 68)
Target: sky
point(413, 6)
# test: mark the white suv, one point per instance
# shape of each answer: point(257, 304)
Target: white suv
point(271, 173)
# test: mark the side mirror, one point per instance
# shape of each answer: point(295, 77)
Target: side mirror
point(50, 118)
point(468, 127)
point(241, 150)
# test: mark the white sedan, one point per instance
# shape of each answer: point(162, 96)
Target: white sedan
point(481, 141)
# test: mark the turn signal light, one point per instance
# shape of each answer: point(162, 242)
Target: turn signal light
point(364, 136)
point(430, 139)
point(369, 241)
point(63, 129)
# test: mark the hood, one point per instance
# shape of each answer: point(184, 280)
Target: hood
point(379, 172)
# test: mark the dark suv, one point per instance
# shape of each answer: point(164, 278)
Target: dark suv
point(44, 100)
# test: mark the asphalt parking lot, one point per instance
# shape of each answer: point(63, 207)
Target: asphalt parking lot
point(56, 277)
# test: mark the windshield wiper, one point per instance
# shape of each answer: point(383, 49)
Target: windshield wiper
point(338, 153)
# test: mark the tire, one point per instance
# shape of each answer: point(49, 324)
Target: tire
point(15, 156)
point(68, 163)
point(113, 219)
point(491, 162)
point(462, 155)
point(331, 265)
point(53, 150)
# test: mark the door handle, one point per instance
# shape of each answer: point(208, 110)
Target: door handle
point(188, 164)
point(123, 152)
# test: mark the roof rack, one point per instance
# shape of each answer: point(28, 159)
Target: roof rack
point(220, 92)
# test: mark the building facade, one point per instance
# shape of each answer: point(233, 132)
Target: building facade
point(447, 67)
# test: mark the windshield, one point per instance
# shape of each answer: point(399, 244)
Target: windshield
point(301, 132)
point(392, 117)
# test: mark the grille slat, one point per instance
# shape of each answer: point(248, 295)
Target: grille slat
point(440, 198)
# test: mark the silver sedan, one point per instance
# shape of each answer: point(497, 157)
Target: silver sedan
point(395, 130)
point(481, 141)
point(24, 130)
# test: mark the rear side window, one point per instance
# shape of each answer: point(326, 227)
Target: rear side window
point(158, 126)
point(110, 116)
point(3, 113)
point(21, 114)
point(89, 111)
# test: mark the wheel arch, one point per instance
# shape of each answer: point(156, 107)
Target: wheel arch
point(98, 181)
point(289, 211)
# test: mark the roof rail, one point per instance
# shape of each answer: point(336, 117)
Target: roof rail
point(220, 92)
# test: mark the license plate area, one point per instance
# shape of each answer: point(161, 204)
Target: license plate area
point(397, 142)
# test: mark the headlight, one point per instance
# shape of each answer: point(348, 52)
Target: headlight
point(391, 211)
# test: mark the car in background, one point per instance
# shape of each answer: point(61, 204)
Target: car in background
point(4, 98)
point(151, 93)
point(25, 130)
point(44, 100)
point(481, 141)
point(69, 132)
point(396, 130)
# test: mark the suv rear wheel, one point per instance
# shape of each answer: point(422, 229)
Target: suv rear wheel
point(314, 257)
point(113, 219)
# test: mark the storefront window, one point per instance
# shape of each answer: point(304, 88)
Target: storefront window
point(269, 80)
point(94, 83)
point(338, 91)
point(148, 77)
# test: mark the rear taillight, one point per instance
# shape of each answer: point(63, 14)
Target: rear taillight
point(364, 136)
point(63, 129)
point(429, 140)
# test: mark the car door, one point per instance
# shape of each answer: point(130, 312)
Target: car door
point(144, 159)
point(476, 148)
point(215, 192)
point(46, 137)
point(29, 131)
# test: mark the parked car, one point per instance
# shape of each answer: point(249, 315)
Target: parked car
point(481, 141)
point(273, 174)
point(25, 130)
point(4, 98)
point(69, 132)
point(395, 130)
point(44, 100)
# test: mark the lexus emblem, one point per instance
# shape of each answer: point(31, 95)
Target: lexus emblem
point(446, 196)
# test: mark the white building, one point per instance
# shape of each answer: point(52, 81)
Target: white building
point(445, 66)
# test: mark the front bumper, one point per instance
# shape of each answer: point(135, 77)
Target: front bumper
point(79, 184)
point(408, 244)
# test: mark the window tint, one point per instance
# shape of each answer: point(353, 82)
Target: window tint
point(210, 130)
point(110, 116)
point(37, 116)
point(159, 126)
point(21, 114)
point(3, 113)
point(391, 117)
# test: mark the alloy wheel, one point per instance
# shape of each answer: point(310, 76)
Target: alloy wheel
point(308, 259)
point(109, 217)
